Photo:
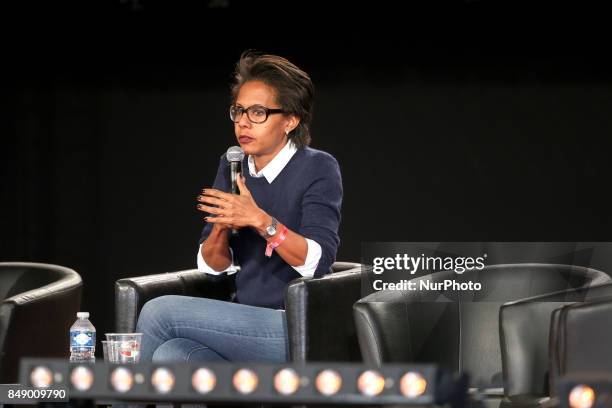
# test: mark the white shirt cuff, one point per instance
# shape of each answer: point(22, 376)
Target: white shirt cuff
point(313, 256)
point(203, 266)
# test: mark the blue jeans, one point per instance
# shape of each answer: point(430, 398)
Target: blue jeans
point(189, 329)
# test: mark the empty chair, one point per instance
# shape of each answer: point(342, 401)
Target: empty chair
point(459, 330)
point(39, 304)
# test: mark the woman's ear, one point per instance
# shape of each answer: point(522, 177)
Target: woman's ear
point(292, 123)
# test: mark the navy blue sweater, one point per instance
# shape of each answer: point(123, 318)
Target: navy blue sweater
point(306, 197)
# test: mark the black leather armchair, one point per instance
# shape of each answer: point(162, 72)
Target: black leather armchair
point(319, 311)
point(39, 304)
point(461, 330)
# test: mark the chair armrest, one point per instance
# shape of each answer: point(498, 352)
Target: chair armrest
point(319, 316)
point(344, 266)
point(581, 337)
point(382, 331)
point(401, 326)
point(554, 344)
point(132, 293)
point(524, 329)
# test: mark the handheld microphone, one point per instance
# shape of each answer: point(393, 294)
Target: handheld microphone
point(234, 156)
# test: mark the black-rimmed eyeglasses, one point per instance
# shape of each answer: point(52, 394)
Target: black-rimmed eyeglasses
point(255, 113)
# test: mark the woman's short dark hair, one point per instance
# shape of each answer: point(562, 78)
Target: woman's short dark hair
point(294, 89)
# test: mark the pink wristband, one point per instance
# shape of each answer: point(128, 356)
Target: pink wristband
point(279, 240)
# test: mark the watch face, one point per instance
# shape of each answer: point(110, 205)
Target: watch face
point(271, 230)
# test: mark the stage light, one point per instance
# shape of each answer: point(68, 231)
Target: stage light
point(328, 382)
point(286, 381)
point(203, 380)
point(122, 379)
point(245, 381)
point(581, 396)
point(413, 385)
point(162, 380)
point(41, 377)
point(82, 378)
point(371, 383)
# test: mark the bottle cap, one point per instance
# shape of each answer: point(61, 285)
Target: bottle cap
point(83, 315)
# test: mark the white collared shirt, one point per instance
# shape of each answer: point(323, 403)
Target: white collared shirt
point(270, 172)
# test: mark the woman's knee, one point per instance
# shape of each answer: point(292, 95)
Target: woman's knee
point(181, 350)
point(171, 351)
point(156, 310)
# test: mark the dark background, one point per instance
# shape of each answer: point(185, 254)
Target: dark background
point(459, 121)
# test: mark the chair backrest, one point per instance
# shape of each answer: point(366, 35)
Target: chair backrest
point(39, 304)
point(457, 329)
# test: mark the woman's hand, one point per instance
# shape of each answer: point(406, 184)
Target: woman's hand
point(219, 227)
point(233, 210)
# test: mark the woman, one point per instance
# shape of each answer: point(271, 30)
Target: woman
point(287, 216)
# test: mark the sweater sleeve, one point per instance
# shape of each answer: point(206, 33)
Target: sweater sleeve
point(321, 205)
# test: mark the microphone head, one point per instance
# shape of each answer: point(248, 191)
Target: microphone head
point(234, 154)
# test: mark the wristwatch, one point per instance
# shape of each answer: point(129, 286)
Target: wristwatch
point(271, 229)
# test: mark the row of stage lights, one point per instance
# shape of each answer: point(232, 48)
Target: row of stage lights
point(409, 384)
point(406, 384)
point(286, 381)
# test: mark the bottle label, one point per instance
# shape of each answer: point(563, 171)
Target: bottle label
point(82, 339)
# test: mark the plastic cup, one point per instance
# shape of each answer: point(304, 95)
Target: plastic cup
point(111, 351)
point(124, 348)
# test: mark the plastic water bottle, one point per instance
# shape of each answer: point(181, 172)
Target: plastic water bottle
point(82, 340)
